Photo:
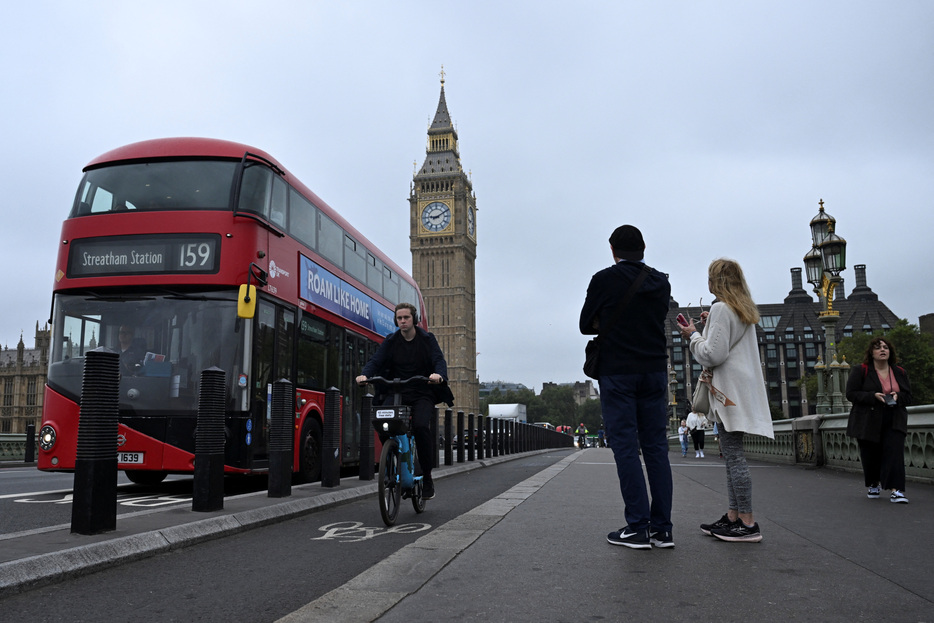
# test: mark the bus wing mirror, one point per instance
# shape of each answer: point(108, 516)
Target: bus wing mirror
point(246, 302)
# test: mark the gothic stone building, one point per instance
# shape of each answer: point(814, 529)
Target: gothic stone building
point(22, 380)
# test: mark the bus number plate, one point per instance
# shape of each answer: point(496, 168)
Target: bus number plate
point(382, 414)
point(130, 458)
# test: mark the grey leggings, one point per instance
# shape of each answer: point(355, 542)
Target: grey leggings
point(738, 481)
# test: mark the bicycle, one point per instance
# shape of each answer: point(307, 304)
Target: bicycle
point(397, 461)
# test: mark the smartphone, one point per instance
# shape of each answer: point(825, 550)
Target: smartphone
point(682, 320)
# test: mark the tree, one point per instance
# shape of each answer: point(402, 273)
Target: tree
point(913, 349)
point(591, 415)
point(559, 405)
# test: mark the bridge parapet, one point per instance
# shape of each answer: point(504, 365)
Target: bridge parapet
point(822, 440)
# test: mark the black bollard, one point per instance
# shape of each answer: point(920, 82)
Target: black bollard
point(30, 444)
point(94, 506)
point(461, 436)
point(208, 485)
point(481, 438)
point(366, 438)
point(448, 433)
point(280, 440)
point(331, 443)
point(494, 437)
point(472, 436)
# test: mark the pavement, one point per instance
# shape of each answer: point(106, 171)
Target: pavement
point(539, 551)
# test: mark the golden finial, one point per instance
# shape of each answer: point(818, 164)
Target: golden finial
point(820, 203)
point(442, 75)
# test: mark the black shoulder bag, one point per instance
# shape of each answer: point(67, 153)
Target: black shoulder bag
point(592, 350)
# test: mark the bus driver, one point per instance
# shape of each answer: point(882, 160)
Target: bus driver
point(131, 353)
point(412, 351)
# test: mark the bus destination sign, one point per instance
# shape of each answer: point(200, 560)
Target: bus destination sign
point(144, 255)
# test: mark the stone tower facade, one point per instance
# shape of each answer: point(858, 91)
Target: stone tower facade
point(443, 240)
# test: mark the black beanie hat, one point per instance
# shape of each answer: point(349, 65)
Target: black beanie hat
point(627, 243)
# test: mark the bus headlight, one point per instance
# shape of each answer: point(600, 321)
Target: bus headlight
point(46, 437)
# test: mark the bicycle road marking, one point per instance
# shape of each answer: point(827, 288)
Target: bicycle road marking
point(355, 531)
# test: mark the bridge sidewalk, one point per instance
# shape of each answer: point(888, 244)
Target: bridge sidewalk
point(828, 554)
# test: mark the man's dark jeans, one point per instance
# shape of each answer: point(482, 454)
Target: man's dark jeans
point(635, 415)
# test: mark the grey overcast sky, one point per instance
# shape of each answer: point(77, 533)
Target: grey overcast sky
point(715, 127)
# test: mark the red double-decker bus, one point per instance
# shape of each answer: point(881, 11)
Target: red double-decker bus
point(162, 236)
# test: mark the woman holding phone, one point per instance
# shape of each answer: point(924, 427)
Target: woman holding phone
point(729, 351)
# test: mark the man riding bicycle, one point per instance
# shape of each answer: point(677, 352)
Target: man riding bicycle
point(412, 351)
point(582, 436)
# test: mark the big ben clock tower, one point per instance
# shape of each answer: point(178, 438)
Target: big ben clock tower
point(444, 250)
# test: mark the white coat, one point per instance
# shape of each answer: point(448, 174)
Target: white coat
point(696, 421)
point(737, 372)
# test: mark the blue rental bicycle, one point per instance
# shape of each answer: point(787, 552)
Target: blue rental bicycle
point(398, 464)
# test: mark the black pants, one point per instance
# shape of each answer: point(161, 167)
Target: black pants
point(423, 409)
point(698, 436)
point(884, 461)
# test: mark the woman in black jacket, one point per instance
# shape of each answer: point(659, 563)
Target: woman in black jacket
point(880, 393)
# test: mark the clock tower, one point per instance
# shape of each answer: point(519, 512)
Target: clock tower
point(443, 238)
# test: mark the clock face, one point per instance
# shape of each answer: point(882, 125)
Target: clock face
point(470, 221)
point(436, 216)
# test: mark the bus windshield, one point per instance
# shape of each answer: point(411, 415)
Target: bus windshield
point(164, 342)
point(159, 185)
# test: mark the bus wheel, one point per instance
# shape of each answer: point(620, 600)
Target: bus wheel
point(148, 479)
point(309, 460)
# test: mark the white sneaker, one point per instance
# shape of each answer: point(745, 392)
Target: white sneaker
point(898, 497)
point(701, 454)
point(697, 454)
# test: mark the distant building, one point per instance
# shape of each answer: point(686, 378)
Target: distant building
point(22, 381)
point(583, 390)
point(487, 388)
point(791, 338)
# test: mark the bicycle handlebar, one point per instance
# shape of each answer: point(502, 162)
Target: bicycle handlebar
point(395, 382)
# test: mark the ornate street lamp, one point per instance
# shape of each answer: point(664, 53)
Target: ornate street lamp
point(823, 265)
point(673, 421)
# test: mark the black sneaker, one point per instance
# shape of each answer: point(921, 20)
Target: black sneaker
point(428, 489)
point(738, 532)
point(661, 539)
point(630, 538)
point(873, 493)
point(898, 497)
point(723, 522)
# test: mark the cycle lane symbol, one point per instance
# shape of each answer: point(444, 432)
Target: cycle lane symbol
point(355, 531)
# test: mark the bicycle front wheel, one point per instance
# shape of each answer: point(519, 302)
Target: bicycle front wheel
point(390, 489)
point(418, 502)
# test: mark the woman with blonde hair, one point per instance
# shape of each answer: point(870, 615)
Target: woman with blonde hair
point(729, 351)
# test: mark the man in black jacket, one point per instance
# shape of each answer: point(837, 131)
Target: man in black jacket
point(633, 377)
point(412, 351)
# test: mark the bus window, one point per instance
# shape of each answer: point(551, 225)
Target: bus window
point(279, 208)
point(317, 357)
point(186, 185)
point(374, 274)
point(330, 240)
point(303, 224)
point(390, 285)
point(354, 258)
point(255, 190)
